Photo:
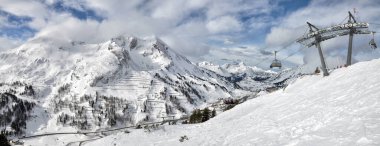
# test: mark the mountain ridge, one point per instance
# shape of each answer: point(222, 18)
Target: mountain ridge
point(123, 81)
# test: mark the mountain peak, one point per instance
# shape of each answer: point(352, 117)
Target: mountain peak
point(126, 70)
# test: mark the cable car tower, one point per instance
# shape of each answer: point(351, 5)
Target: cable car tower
point(316, 36)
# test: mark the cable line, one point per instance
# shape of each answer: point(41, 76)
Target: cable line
point(300, 49)
point(374, 23)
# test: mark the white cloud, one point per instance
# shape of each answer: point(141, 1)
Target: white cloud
point(170, 10)
point(75, 4)
point(3, 21)
point(228, 42)
point(227, 7)
point(64, 26)
point(8, 43)
point(280, 36)
point(33, 9)
point(224, 24)
point(187, 26)
point(170, 20)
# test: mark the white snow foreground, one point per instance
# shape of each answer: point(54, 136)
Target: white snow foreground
point(341, 109)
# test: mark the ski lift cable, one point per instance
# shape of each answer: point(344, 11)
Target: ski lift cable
point(356, 14)
point(343, 20)
point(294, 53)
point(284, 48)
point(290, 43)
point(374, 23)
point(279, 50)
point(266, 59)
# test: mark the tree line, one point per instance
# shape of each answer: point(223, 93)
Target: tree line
point(199, 116)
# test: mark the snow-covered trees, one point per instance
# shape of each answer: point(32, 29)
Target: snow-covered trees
point(102, 111)
point(196, 116)
point(213, 113)
point(4, 140)
point(206, 115)
point(199, 116)
point(15, 111)
point(28, 90)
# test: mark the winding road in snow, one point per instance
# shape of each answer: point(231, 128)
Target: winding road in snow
point(102, 131)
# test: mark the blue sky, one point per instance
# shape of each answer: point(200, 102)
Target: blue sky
point(16, 27)
point(212, 30)
point(17, 24)
point(82, 14)
point(19, 29)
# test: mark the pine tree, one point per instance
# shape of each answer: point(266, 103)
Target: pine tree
point(213, 113)
point(4, 140)
point(205, 115)
point(191, 120)
point(198, 116)
point(192, 117)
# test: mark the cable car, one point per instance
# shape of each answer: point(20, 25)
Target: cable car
point(372, 43)
point(275, 62)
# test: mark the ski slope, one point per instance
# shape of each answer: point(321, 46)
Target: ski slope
point(341, 109)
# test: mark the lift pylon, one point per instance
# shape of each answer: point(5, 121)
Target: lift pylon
point(351, 20)
point(316, 36)
point(318, 45)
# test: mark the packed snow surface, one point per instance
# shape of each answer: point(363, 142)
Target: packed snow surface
point(341, 109)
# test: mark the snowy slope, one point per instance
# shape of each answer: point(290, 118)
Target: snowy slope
point(243, 76)
point(123, 81)
point(341, 109)
point(236, 68)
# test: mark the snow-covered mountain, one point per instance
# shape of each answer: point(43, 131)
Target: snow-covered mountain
point(123, 81)
point(341, 109)
point(234, 68)
point(255, 79)
point(49, 86)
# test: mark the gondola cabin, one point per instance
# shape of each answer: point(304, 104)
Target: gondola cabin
point(275, 62)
